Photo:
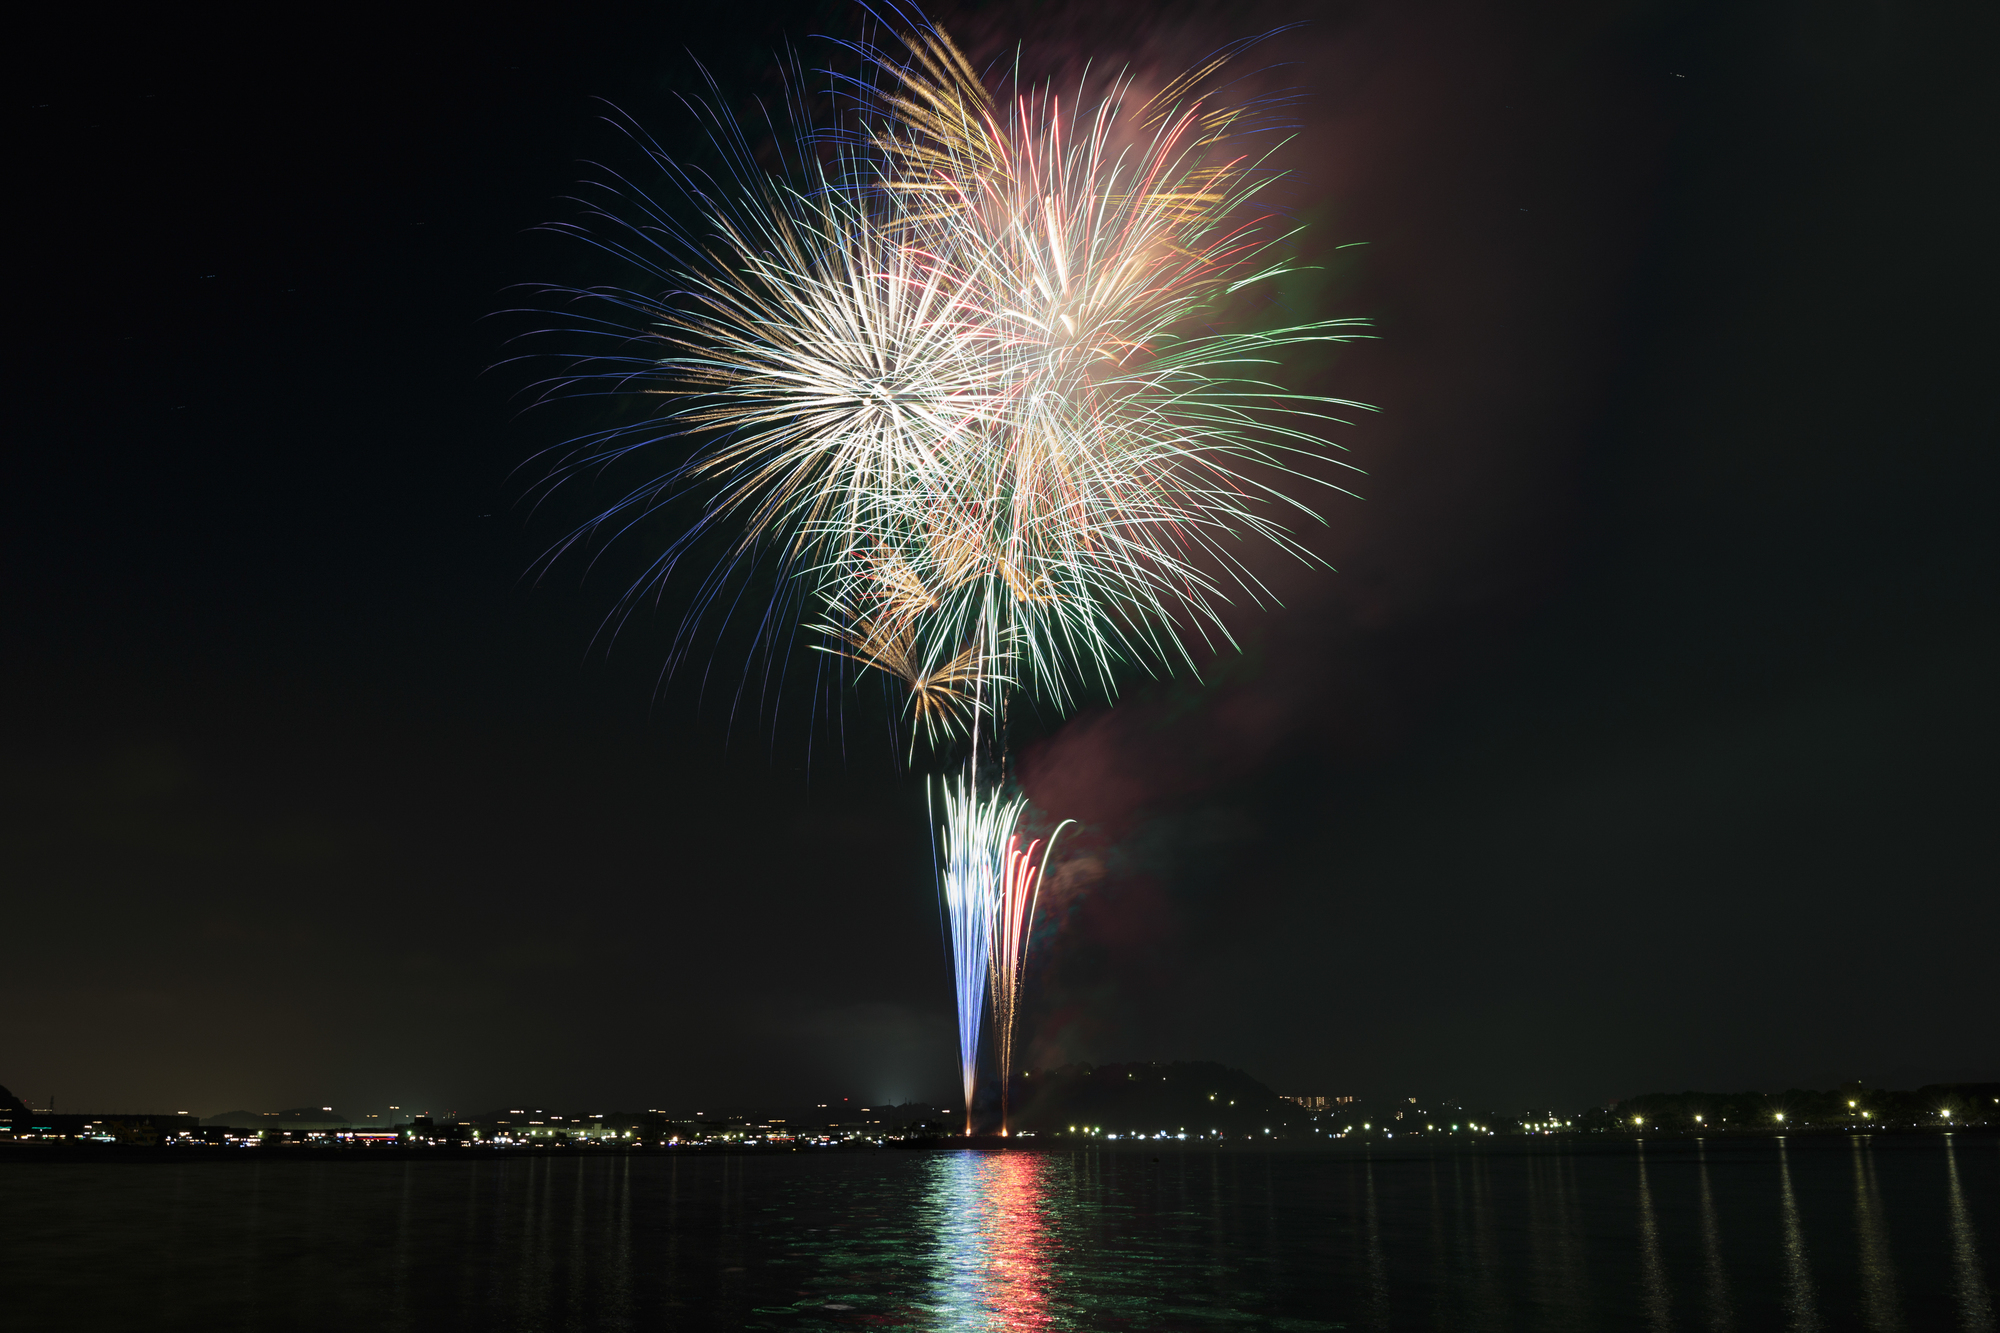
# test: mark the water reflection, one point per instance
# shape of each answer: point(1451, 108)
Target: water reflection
point(531, 1268)
point(1590, 1237)
point(1378, 1263)
point(1720, 1315)
point(1569, 1217)
point(1652, 1269)
point(994, 1243)
point(1878, 1272)
point(619, 1288)
point(1489, 1305)
point(1552, 1235)
point(1442, 1270)
point(1975, 1305)
point(399, 1283)
point(1799, 1303)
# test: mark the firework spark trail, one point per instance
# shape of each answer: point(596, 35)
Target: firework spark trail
point(1014, 923)
point(976, 834)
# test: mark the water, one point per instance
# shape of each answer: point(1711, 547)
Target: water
point(1801, 1234)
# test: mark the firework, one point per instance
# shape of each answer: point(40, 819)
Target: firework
point(1014, 922)
point(1088, 505)
point(952, 383)
point(976, 836)
point(954, 373)
point(819, 365)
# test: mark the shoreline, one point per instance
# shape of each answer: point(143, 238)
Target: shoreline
point(28, 1153)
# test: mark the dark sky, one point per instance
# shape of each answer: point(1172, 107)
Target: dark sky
point(1643, 739)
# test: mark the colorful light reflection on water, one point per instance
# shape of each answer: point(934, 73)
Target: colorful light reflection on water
point(995, 1240)
point(1832, 1234)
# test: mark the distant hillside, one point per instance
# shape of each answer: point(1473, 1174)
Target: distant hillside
point(297, 1117)
point(1197, 1097)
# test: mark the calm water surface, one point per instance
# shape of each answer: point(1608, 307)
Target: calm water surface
point(1801, 1234)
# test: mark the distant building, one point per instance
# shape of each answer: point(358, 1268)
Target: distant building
point(1317, 1103)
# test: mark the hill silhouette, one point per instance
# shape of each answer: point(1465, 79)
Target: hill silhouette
point(1195, 1097)
point(295, 1117)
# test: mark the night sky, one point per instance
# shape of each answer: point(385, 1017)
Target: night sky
point(1644, 738)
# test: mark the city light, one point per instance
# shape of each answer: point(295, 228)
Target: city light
point(873, 1126)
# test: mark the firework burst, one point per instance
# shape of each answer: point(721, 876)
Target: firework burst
point(1088, 511)
point(955, 373)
